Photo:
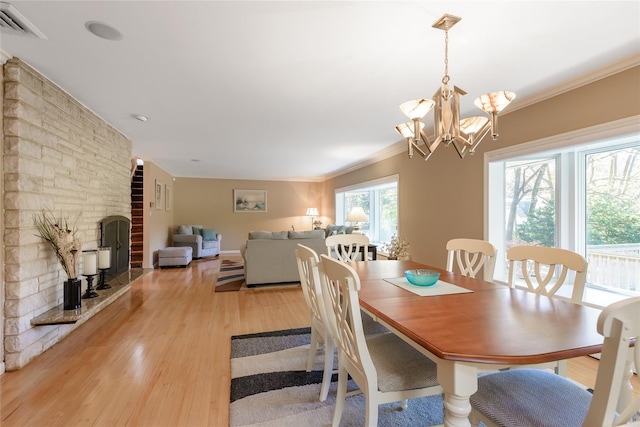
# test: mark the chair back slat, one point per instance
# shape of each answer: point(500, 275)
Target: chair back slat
point(340, 285)
point(307, 260)
point(348, 247)
point(544, 270)
point(471, 255)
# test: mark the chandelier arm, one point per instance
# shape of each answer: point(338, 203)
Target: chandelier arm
point(480, 134)
point(473, 138)
point(410, 147)
point(431, 146)
point(461, 146)
point(425, 138)
point(494, 125)
point(418, 149)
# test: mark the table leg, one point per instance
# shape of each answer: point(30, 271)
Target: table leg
point(459, 381)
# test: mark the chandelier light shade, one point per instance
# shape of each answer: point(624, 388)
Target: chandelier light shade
point(466, 134)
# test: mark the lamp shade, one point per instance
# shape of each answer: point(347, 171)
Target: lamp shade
point(312, 212)
point(406, 129)
point(494, 102)
point(471, 125)
point(357, 215)
point(416, 108)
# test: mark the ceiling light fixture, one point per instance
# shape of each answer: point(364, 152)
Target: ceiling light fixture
point(466, 134)
point(140, 117)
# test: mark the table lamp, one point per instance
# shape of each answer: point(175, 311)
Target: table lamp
point(357, 215)
point(312, 212)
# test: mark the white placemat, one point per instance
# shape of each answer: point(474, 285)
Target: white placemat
point(440, 288)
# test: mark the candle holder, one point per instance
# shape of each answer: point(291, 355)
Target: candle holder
point(90, 293)
point(104, 264)
point(89, 267)
point(102, 284)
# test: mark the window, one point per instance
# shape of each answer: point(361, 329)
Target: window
point(579, 191)
point(379, 199)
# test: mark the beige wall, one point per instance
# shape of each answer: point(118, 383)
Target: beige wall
point(57, 155)
point(443, 198)
point(209, 202)
point(158, 223)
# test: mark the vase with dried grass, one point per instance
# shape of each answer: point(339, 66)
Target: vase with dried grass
point(60, 234)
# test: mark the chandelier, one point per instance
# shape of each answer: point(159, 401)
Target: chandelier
point(465, 135)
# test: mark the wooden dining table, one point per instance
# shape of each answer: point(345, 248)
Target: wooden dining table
point(491, 327)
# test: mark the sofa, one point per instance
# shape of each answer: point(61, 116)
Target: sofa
point(204, 242)
point(269, 257)
point(333, 229)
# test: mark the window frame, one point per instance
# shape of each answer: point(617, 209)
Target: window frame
point(570, 203)
point(371, 185)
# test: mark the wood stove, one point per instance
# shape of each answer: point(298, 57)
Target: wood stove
point(115, 232)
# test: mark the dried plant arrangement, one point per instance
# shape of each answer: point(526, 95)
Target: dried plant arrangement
point(61, 236)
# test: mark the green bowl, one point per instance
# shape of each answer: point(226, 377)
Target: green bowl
point(422, 277)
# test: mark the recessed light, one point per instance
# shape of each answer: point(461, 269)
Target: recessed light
point(103, 30)
point(139, 117)
point(195, 160)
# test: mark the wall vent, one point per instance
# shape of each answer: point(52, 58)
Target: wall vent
point(12, 20)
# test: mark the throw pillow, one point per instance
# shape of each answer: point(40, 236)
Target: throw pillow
point(209, 234)
point(184, 229)
point(197, 231)
point(306, 234)
point(255, 235)
point(331, 230)
point(280, 235)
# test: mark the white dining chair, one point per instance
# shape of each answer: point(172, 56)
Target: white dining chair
point(471, 255)
point(348, 247)
point(539, 398)
point(385, 368)
point(321, 336)
point(544, 270)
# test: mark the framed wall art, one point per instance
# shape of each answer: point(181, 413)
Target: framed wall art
point(158, 195)
point(167, 198)
point(249, 200)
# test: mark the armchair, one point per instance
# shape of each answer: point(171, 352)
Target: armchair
point(205, 242)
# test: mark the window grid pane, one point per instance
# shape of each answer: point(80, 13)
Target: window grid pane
point(612, 193)
point(601, 221)
point(380, 203)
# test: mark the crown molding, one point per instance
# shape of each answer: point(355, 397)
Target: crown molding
point(581, 80)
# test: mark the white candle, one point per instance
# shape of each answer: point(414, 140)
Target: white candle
point(104, 258)
point(89, 263)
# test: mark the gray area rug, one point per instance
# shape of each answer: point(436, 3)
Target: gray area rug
point(270, 387)
point(231, 276)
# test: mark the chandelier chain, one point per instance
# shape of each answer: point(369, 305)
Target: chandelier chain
point(445, 79)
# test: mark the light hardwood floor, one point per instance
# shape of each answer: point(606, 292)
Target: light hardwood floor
point(159, 356)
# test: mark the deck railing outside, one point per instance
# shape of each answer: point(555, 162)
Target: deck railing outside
point(614, 266)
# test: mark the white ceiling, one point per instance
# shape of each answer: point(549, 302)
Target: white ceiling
point(302, 89)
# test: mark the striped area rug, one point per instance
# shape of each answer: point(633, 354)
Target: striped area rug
point(270, 387)
point(231, 276)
